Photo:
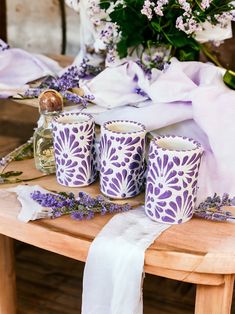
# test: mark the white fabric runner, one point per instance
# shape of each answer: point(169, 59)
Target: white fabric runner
point(113, 275)
point(112, 281)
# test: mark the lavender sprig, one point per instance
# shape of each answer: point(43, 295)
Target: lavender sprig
point(83, 207)
point(87, 71)
point(77, 99)
point(69, 79)
point(65, 83)
point(212, 208)
point(33, 92)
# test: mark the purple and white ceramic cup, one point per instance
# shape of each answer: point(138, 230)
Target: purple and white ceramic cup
point(172, 174)
point(73, 138)
point(122, 165)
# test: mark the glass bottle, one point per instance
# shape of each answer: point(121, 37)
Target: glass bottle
point(50, 105)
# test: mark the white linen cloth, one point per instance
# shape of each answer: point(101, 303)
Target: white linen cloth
point(18, 67)
point(188, 99)
point(113, 275)
point(30, 210)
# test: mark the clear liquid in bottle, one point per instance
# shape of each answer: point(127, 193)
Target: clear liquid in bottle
point(50, 105)
point(44, 151)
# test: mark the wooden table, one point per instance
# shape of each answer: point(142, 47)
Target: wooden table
point(199, 252)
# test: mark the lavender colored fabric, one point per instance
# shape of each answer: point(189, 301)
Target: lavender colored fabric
point(18, 67)
point(189, 99)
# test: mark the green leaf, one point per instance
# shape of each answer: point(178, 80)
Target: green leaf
point(122, 48)
point(105, 4)
point(156, 26)
point(9, 174)
point(180, 39)
point(187, 54)
point(25, 153)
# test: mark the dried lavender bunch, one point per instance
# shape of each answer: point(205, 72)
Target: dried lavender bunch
point(65, 85)
point(82, 207)
point(212, 208)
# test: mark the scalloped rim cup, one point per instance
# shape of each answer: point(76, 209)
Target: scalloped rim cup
point(73, 118)
point(176, 143)
point(124, 127)
point(172, 178)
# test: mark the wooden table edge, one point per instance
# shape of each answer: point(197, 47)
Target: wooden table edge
point(76, 247)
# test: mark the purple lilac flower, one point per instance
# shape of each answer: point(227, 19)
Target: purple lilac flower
point(94, 12)
point(160, 7)
point(185, 6)
point(84, 207)
point(225, 18)
point(148, 9)
point(154, 6)
point(108, 33)
point(205, 4)
point(188, 25)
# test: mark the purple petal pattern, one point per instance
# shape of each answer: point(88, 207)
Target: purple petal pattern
point(74, 149)
point(172, 181)
point(122, 164)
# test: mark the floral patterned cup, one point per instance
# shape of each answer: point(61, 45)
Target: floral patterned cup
point(74, 137)
point(122, 166)
point(172, 179)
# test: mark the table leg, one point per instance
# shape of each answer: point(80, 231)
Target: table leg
point(7, 277)
point(215, 299)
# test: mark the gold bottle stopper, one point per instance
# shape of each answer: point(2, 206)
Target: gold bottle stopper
point(50, 101)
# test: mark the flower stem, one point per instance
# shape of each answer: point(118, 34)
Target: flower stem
point(209, 55)
point(21, 180)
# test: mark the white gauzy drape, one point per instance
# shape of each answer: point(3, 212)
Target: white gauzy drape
point(91, 46)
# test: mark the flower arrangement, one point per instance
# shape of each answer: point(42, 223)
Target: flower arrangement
point(131, 25)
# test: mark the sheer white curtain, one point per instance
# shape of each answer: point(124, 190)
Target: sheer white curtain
point(91, 46)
